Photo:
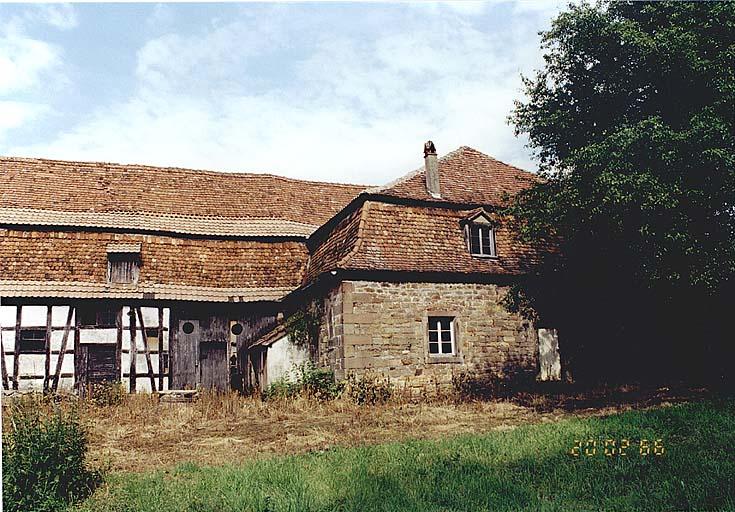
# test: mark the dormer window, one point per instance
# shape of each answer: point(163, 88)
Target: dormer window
point(480, 235)
point(123, 263)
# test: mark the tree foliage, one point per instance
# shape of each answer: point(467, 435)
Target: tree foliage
point(632, 120)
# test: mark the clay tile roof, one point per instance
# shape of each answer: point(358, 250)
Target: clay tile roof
point(53, 192)
point(465, 176)
point(74, 264)
point(393, 237)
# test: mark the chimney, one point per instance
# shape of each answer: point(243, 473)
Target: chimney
point(432, 170)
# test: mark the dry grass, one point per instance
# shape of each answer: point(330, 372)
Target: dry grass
point(142, 434)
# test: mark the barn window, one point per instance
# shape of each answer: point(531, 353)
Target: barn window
point(32, 341)
point(441, 336)
point(123, 268)
point(123, 262)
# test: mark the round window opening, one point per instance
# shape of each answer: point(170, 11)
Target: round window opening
point(188, 328)
point(236, 329)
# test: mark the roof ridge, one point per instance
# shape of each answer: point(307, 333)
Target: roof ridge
point(122, 166)
point(412, 174)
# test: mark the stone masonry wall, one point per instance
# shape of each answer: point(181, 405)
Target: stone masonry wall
point(331, 335)
point(384, 331)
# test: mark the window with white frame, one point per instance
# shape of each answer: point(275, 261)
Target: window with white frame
point(480, 239)
point(442, 336)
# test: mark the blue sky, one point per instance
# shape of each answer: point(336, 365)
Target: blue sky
point(326, 91)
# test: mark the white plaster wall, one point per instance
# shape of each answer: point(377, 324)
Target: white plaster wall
point(7, 316)
point(34, 364)
point(282, 355)
point(8, 341)
point(58, 316)
point(108, 336)
point(33, 316)
point(67, 366)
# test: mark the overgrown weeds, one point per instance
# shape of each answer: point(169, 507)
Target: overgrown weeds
point(107, 394)
point(368, 389)
point(307, 380)
point(44, 449)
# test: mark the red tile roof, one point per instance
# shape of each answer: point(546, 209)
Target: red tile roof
point(53, 192)
point(416, 234)
point(406, 238)
point(465, 176)
point(74, 264)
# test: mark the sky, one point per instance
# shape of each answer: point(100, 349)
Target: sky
point(344, 92)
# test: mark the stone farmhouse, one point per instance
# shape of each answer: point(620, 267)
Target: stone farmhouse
point(167, 278)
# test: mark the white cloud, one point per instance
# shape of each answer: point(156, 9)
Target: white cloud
point(16, 113)
point(348, 108)
point(27, 62)
point(23, 60)
point(60, 16)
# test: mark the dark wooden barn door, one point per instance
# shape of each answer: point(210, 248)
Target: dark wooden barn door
point(102, 364)
point(185, 356)
point(214, 367)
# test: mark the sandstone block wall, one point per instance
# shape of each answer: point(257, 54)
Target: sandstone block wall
point(381, 328)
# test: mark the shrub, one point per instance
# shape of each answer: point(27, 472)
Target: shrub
point(470, 386)
point(280, 389)
point(107, 394)
point(308, 380)
point(368, 390)
point(43, 458)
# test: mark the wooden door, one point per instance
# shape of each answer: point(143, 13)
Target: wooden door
point(214, 366)
point(102, 364)
point(185, 356)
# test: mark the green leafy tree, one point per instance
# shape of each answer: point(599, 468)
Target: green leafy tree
point(632, 121)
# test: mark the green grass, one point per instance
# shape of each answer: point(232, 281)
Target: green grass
point(529, 468)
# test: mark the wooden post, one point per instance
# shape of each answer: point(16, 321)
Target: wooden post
point(47, 368)
point(62, 351)
point(118, 348)
point(16, 347)
point(80, 365)
point(133, 351)
point(2, 362)
point(160, 349)
point(147, 352)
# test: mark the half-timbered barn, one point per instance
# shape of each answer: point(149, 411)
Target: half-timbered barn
point(167, 278)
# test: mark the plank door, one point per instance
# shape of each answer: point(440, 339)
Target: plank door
point(102, 364)
point(185, 356)
point(213, 365)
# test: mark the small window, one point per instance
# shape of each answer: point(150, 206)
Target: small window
point(441, 336)
point(481, 239)
point(32, 341)
point(123, 267)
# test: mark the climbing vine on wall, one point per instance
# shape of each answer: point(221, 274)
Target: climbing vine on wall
point(303, 325)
